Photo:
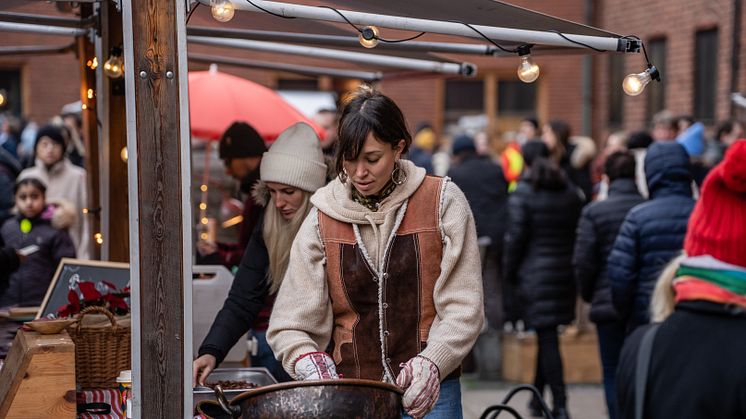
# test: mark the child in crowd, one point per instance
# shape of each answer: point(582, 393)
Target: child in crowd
point(45, 227)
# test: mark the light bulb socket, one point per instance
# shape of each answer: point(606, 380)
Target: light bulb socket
point(654, 73)
point(523, 50)
point(368, 33)
point(116, 51)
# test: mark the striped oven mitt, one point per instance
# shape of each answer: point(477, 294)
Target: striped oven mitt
point(420, 380)
point(315, 366)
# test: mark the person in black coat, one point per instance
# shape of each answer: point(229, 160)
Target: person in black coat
point(597, 230)
point(652, 233)
point(290, 171)
point(9, 262)
point(697, 365)
point(485, 188)
point(10, 167)
point(537, 256)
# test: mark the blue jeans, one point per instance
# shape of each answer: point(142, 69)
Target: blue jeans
point(448, 405)
point(266, 358)
point(610, 340)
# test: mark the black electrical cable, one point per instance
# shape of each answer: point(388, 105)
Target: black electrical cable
point(563, 36)
point(189, 16)
point(644, 51)
point(271, 13)
point(391, 41)
point(514, 50)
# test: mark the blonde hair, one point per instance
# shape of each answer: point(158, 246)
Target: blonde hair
point(279, 234)
point(664, 299)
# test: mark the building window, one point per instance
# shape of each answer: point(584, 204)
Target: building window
point(298, 84)
point(10, 88)
point(463, 98)
point(616, 94)
point(656, 91)
point(705, 75)
point(516, 98)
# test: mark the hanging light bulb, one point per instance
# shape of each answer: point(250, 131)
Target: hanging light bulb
point(635, 83)
point(528, 70)
point(222, 10)
point(123, 154)
point(114, 67)
point(368, 36)
point(2, 98)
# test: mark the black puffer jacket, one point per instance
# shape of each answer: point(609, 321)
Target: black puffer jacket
point(652, 233)
point(29, 283)
point(598, 227)
point(485, 188)
point(537, 253)
point(696, 369)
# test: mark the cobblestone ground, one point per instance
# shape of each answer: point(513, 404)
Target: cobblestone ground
point(585, 401)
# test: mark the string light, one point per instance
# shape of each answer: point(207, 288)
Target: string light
point(203, 236)
point(204, 220)
point(203, 188)
point(528, 70)
point(99, 238)
point(635, 83)
point(114, 66)
point(368, 36)
point(2, 97)
point(222, 10)
point(90, 93)
point(202, 206)
point(85, 210)
point(92, 64)
point(84, 106)
point(123, 154)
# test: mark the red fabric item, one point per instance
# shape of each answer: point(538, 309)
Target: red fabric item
point(717, 226)
point(108, 396)
point(217, 99)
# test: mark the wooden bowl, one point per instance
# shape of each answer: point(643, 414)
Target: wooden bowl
point(50, 327)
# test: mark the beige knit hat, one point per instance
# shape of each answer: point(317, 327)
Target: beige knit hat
point(295, 159)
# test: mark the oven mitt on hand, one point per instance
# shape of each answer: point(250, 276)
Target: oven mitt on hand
point(315, 366)
point(420, 380)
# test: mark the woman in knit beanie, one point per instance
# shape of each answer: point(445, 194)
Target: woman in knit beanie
point(290, 172)
point(697, 367)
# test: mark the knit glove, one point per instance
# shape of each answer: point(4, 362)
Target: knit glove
point(315, 366)
point(420, 380)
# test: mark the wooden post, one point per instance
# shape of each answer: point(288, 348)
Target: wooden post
point(115, 213)
point(160, 233)
point(86, 53)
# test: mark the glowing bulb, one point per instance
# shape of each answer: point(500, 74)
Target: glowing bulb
point(94, 63)
point(2, 98)
point(99, 238)
point(84, 106)
point(90, 93)
point(203, 188)
point(123, 154)
point(222, 10)
point(368, 36)
point(204, 220)
point(114, 67)
point(202, 206)
point(85, 210)
point(203, 236)
point(635, 83)
point(528, 70)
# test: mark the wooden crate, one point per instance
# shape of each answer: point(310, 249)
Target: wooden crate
point(38, 377)
point(580, 358)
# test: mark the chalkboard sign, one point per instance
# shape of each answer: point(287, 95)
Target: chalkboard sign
point(70, 271)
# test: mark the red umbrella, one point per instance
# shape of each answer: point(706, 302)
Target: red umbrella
point(216, 100)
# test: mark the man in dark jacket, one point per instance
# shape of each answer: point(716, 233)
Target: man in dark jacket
point(485, 188)
point(652, 233)
point(241, 149)
point(597, 230)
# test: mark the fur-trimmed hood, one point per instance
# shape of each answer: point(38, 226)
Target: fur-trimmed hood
point(260, 193)
point(584, 152)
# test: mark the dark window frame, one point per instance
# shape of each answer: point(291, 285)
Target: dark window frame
point(657, 49)
point(704, 103)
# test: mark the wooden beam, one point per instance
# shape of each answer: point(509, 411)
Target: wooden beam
point(115, 214)
point(160, 213)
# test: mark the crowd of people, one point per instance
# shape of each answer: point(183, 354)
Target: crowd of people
point(375, 253)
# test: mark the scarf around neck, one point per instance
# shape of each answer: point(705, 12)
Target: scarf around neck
point(372, 202)
point(706, 278)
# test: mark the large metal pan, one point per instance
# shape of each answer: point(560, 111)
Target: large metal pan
point(327, 399)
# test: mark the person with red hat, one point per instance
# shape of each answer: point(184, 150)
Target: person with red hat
point(692, 364)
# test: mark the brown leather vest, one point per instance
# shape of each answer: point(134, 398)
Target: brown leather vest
point(408, 280)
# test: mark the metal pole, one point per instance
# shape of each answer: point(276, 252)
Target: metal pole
point(35, 50)
point(344, 41)
point(45, 20)
point(433, 26)
point(465, 69)
point(41, 29)
point(290, 68)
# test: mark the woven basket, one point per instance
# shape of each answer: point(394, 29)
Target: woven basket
point(100, 352)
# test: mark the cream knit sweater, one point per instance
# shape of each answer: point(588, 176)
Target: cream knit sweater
point(301, 320)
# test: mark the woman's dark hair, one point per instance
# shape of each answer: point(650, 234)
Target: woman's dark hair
point(533, 121)
point(368, 111)
point(36, 183)
point(562, 131)
point(639, 139)
point(620, 165)
point(543, 172)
